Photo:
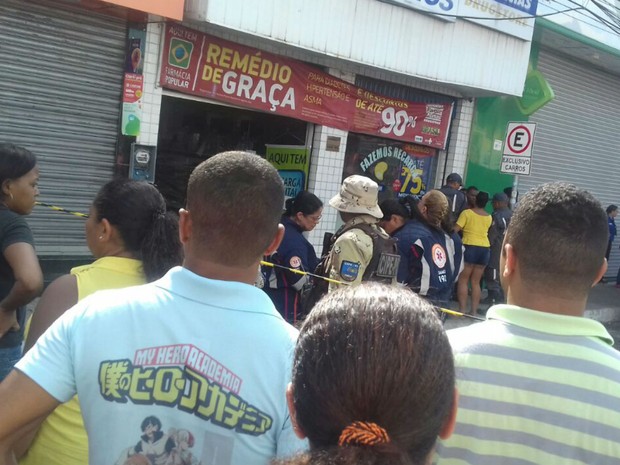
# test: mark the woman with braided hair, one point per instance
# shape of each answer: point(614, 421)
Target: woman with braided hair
point(373, 379)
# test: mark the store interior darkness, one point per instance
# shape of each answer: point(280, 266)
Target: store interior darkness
point(191, 132)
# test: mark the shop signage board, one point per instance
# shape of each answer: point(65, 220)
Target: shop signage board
point(445, 9)
point(206, 66)
point(512, 17)
point(292, 162)
point(132, 104)
point(133, 83)
point(517, 155)
point(400, 169)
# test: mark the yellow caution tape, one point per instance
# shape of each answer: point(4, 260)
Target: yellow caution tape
point(293, 270)
point(63, 210)
point(305, 273)
point(274, 265)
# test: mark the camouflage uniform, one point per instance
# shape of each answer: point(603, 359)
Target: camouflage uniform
point(352, 252)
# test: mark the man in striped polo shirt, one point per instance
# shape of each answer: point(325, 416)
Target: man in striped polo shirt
point(539, 384)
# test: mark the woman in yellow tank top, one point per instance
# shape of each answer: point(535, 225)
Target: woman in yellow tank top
point(475, 223)
point(134, 241)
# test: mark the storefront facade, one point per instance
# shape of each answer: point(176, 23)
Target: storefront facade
point(571, 94)
point(226, 85)
point(577, 136)
point(370, 95)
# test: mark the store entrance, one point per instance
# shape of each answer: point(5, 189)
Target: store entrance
point(191, 131)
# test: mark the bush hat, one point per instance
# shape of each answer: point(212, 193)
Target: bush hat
point(358, 194)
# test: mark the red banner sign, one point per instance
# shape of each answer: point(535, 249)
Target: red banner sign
point(210, 67)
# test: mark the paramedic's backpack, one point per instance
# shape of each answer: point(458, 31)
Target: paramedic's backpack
point(383, 265)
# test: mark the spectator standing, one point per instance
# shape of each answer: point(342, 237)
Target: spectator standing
point(357, 350)
point(470, 193)
point(200, 349)
point(475, 224)
point(134, 241)
point(303, 213)
point(21, 279)
point(612, 212)
point(457, 201)
point(500, 220)
point(538, 382)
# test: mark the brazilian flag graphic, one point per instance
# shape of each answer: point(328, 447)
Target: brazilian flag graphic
point(180, 53)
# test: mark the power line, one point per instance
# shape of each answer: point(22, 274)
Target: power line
point(595, 17)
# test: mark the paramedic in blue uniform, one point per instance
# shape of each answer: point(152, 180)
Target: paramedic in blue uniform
point(431, 253)
point(303, 213)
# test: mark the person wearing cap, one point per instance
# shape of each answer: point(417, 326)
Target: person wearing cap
point(457, 201)
point(355, 243)
point(500, 220)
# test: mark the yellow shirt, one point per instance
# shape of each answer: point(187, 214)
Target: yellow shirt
point(475, 228)
point(62, 439)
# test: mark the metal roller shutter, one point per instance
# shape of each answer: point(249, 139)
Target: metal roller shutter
point(577, 137)
point(61, 72)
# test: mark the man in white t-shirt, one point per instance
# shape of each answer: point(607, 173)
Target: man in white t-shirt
point(200, 351)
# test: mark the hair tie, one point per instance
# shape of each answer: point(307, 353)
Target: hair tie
point(160, 215)
point(363, 433)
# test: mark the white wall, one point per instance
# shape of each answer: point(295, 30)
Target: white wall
point(380, 35)
point(151, 100)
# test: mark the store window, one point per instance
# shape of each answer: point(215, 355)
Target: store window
point(191, 131)
point(399, 168)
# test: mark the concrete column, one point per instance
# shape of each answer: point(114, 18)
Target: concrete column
point(151, 100)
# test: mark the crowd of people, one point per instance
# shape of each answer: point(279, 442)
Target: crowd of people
point(440, 246)
point(171, 355)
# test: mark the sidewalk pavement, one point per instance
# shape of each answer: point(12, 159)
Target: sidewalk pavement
point(603, 305)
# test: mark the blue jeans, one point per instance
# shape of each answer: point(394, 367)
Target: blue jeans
point(9, 356)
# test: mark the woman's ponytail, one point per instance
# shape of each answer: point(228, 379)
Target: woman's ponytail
point(138, 211)
point(161, 248)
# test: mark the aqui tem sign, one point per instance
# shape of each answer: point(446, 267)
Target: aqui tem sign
point(517, 155)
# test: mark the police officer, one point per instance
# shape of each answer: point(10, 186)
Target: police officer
point(303, 213)
point(362, 250)
point(500, 220)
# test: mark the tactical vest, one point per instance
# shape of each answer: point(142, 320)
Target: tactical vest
point(383, 266)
